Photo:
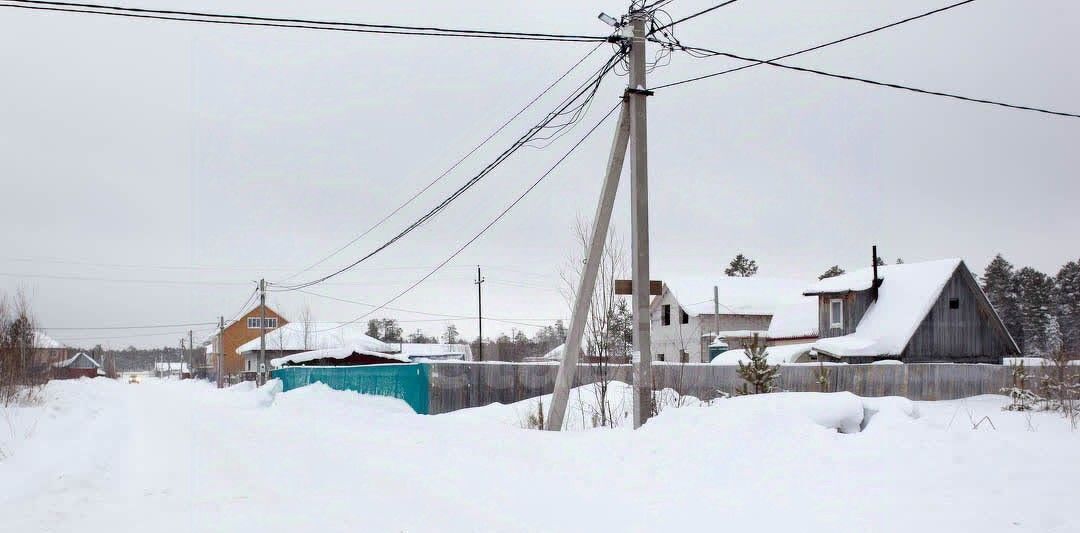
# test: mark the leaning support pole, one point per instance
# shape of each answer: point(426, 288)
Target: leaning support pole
point(601, 223)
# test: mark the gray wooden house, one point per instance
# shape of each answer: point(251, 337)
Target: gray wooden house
point(916, 313)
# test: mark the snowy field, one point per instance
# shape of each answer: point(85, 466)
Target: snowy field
point(102, 456)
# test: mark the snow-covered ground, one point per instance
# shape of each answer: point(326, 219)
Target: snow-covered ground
point(99, 455)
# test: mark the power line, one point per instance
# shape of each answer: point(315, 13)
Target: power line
point(819, 46)
point(250, 20)
point(159, 326)
point(489, 224)
point(698, 14)
point(441, 316)
point(892, 85)
point(450, 169)
point(587, 90)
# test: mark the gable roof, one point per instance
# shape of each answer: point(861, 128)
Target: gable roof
point(320, 336)
point(738, 296)
point(75, 358)
point(906, 295)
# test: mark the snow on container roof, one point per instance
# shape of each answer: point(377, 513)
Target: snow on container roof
point(906, 295)
point(335, 353)
point(794, 320)
point(738, 296)
point(318, 336)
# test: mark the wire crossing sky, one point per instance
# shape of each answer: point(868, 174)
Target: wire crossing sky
point(207, 149)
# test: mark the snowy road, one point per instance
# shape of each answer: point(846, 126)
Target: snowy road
point(104, 456)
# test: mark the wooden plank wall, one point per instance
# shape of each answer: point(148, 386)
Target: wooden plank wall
point(458, 385)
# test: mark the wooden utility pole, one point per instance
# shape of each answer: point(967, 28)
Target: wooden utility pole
point(632, 125)
point(219, 364)
point(479, 313)
point(180, 361)
point(262, 333)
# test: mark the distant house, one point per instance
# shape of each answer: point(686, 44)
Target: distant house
point(919, 312)
point(432, 352)
point(298, 337)
point(165, 369)
point(244, 329)
point(684, 321)
point(77, 366)
point(48, 351)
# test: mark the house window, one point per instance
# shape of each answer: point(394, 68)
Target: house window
point(683, 317)
point(659, 357)
point(665, 315)
point(836, 313)
point(253, 323)
point(684, 357)
point(954, 303)
point(249, 365)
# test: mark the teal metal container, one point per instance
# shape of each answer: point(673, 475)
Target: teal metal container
point(406, 381)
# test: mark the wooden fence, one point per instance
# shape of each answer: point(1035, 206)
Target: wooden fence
point(457, 385)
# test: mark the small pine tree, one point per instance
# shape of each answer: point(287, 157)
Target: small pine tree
point(832, 272)
point(758, 374)
point(741, 266)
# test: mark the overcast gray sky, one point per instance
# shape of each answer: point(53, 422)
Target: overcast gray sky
point(188, 160)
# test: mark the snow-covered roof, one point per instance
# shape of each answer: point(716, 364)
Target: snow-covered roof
point(71, 360)
point(335, 353)
point(319, 336)
point(788, 353)
point(45, 342)
point(738, 296)
point(906, 295)
point(797, 319)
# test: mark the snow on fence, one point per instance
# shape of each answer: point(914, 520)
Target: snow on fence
point(458, 385)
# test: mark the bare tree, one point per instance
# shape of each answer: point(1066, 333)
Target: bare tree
point(601, 338)
point(17, 349)
point(309, 327)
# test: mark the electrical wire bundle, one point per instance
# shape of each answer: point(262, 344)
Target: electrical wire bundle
point(568, 113)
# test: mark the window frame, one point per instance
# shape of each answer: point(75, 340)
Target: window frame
point(836, 320)
point(684, 317)
point(665, 315)
point(253, 322)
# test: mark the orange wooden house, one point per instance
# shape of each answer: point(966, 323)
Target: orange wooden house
point(243, 330)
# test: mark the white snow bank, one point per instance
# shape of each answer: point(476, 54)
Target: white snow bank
point(784, 354)
point(332, 403)
point(335, 353)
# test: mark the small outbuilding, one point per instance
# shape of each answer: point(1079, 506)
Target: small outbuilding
point(77, 366)
point(930, 312)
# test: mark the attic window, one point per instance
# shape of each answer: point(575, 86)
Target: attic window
point(683, 317)
point(836, 313)
point(253, 322)
point(954, 303)
point(665, 315)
